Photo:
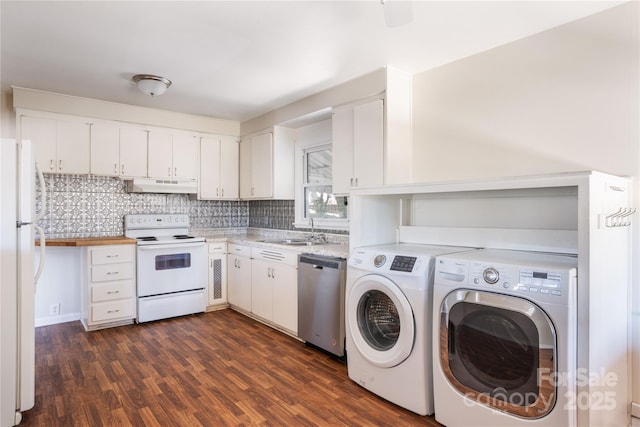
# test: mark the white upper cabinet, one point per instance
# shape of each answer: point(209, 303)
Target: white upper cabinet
point(60, 146)
point(186, 152)
point(358, 146)
point(267, 165)
point(160, 154)
point(262, 165)
point(133, 152)
point(219, 167)
point(372, 138)
point(173, 155)
point(118, 151)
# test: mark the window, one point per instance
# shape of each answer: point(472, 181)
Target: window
point(318, 201)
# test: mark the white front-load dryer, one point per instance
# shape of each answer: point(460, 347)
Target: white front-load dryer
point(504, 339)
point(388, 308)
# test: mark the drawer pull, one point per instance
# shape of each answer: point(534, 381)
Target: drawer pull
point(113, 311)
point(113, 292)
point(109, 273)
point(113, 256)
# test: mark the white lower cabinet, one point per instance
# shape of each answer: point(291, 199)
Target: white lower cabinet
point(217, 276)
point(274, 287)
point(239, 276)
point(108, 286)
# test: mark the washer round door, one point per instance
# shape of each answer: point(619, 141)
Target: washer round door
point(380, 321)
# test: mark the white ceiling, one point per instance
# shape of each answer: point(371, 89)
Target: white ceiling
point(239, 59)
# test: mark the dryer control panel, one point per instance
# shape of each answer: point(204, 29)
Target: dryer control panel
point(539, 277)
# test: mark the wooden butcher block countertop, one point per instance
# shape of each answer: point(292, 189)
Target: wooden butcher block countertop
point(90, 241)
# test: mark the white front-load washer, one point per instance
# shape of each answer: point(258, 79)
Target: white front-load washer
point(504, 339)
point(388, 308)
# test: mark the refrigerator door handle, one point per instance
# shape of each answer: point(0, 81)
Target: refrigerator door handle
point(43, 246)
point(43, 197)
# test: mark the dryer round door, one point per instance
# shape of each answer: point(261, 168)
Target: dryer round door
point(500, 351)
point(380, 321)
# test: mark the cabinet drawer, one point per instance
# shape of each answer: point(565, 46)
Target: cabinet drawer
point(240, 250)
point(111, 254)
point(290, 258)
point(217, 247)
point(111, 272)
point(112, 291)
point(112, 310)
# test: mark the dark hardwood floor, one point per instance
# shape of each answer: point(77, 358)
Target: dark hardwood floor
point(213, 369)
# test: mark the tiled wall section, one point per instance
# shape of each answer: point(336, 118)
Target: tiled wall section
point(278, 214)
point(92, 206)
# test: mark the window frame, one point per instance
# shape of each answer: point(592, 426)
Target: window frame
point(301, 220)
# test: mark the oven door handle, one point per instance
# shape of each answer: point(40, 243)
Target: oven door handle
point(171, 246)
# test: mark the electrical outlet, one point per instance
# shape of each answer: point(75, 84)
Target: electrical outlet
point(54, 309)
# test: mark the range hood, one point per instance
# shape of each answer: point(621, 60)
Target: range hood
point(154, 185)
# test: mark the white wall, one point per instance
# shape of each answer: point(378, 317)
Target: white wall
point(563, 100)
point(59, 284)
point(7, 116)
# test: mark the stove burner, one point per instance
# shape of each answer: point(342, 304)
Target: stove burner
point(182, 236)
point(147, 239)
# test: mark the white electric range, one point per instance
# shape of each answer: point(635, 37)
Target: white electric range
point(171, 266)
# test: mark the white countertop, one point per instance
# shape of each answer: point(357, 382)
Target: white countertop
point(337, 246)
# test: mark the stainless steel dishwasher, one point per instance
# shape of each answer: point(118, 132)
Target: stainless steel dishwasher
point(321, 288)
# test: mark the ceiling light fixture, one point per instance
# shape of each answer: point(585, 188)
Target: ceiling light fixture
point(150, 84)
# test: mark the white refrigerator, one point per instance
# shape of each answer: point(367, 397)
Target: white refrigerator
point(18, 277)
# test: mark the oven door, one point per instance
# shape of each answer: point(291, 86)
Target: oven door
point(500, 351)
point(178, 267)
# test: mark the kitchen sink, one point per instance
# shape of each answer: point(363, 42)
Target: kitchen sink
point(292, 242)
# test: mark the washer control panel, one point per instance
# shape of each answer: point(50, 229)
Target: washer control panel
point(403, 263)
point(380, 262)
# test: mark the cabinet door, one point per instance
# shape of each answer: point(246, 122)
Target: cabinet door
point(262, 166)
point(105, 151)
point(229, 167)
point(285, 297)
point(262, 288)
point(342, 149)
point(245, 169)
point(74, 144)
point(368, 144)
point(160, 154)
point(210, 168)
point(186, 151)
point(133, 152)
point(239, 281)
point(217, 279)
point(42, 134)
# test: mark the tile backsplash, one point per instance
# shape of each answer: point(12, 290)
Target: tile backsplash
point(278, 214)
point(92, 206)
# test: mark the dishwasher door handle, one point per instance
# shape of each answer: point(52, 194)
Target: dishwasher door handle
point(318, 267)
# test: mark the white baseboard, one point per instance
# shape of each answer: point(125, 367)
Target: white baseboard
point(53, 320)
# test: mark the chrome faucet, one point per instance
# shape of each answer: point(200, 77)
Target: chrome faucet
point(313, 232)
point(320, 238)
